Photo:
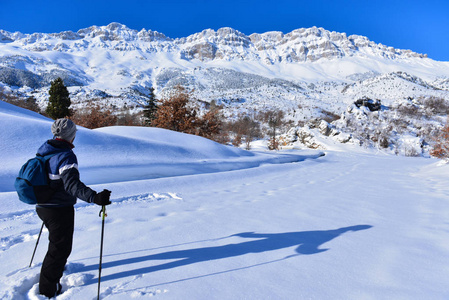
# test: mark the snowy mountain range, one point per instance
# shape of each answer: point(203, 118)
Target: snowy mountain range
point(299, 45)
point(307, 73)
point(114, 56)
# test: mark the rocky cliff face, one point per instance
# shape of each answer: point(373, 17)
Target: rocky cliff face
point(301, 45)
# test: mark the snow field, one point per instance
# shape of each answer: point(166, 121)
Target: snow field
point(347, 225)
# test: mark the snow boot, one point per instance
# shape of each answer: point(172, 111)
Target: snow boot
point(57, 292)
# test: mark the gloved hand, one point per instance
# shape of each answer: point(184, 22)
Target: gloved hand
point(102, 198)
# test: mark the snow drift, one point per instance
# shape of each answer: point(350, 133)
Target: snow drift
point(123, 153)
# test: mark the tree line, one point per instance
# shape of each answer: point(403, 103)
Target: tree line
point(177, 112)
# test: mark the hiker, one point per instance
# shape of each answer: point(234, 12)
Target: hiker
point(58, 212)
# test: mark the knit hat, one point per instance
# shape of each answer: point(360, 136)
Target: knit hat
point(64, 129)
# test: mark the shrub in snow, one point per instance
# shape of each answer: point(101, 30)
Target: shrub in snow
point(245, 127)
point(175, 113)
point(307, 138)
point(409, 109)
point(435, 106)
point(94, 116)
point(383, 140)
point(29, 103)
point(275, 119)
point(410, 146)
point(210, 126)
point(441, 143)
point(273, 144)
point(178, 114)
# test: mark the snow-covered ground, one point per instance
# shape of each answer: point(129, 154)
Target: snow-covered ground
point(192, 219)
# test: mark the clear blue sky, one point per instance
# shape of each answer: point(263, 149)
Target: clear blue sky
point(421, 26)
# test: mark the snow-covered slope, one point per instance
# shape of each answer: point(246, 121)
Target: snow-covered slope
point(349, 225)
point(151, 152)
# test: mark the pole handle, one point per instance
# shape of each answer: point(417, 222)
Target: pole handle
point(103, 210)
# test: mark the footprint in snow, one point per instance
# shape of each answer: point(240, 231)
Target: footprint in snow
point(150, 197)
point(10, 241)
point(146, 292)
point(123, 289)
point(19, 215)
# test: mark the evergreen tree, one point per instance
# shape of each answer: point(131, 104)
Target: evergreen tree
point(150, 109)
point(59, 101)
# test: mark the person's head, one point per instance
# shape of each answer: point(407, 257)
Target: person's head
point(64, 129)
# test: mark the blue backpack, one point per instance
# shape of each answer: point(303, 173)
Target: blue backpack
point(32, 184)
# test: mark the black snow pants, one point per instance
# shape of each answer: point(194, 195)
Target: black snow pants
point(60, 224)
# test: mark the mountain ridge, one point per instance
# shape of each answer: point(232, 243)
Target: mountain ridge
point(299, 45)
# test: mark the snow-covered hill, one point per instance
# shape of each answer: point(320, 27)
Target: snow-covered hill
point(352, 224)
point(153, 152)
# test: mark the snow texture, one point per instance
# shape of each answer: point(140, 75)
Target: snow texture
point(192, 219)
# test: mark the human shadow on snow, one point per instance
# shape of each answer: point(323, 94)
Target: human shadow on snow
point(308, 243)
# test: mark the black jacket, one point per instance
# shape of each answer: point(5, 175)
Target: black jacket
point(64, 175)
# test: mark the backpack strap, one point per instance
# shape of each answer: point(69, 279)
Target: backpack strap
point(44, 159)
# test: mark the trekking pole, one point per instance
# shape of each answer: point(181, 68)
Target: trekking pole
point(103, 210)
point(37, 242)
